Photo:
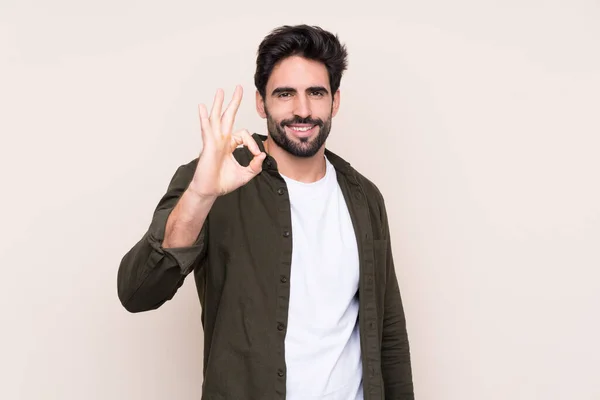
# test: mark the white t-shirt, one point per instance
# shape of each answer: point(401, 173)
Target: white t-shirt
point(322, 347)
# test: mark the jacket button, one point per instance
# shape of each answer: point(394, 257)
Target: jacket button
point(280, 326)
point(280, 373)
point(283, 279)
point(280, 191)
point(286, 234)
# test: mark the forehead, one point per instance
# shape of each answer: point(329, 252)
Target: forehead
point(298, 72)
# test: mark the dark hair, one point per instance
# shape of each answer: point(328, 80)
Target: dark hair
point(310, 42)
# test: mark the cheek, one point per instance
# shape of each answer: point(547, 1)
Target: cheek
point(283, 110)
point(323, 111)
point(280, 113)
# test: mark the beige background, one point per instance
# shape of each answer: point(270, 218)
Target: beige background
point(479, 121)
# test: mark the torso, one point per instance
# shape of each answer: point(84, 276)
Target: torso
point(322, 346)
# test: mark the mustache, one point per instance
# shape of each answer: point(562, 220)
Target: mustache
point(299, 120)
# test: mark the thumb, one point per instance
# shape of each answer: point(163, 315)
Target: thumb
point(255, 165)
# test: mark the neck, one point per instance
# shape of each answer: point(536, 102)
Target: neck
point(301, 169)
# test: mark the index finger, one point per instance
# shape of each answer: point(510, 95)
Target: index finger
point(231, 110)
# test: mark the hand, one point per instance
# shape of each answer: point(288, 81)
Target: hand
point(218, 172)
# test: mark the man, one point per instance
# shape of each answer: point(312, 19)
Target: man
point(289, 245)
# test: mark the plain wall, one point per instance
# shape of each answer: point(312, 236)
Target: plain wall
point(479, 122)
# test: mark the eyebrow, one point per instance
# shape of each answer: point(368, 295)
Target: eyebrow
point(287, 89)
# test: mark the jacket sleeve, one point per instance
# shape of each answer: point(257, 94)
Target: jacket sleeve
point(150, 275)
point(395, 350)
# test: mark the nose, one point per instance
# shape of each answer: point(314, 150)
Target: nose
point(302, 106)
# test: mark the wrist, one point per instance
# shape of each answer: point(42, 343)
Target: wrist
point(194, 206)
point(197, 198)
point(186, 220)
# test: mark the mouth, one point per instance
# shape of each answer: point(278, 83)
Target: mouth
point(301, 130)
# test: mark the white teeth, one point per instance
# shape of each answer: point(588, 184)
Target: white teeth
point(303, 129)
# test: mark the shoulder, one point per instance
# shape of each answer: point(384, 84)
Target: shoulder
point(183, 175)
point(375, 203)
point(370, 189)
point(373, 194)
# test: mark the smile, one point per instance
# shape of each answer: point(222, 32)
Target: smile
point(301, 128)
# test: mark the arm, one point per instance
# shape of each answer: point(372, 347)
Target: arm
point(154, 269)
point(395, 349)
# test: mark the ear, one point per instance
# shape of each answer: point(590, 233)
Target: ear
point(336, 103)
point(260, 105)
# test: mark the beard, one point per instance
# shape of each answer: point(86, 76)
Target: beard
point(306, 147)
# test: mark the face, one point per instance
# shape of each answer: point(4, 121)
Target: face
point(298, 106)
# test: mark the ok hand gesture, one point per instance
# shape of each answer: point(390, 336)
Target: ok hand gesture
point(218, 172)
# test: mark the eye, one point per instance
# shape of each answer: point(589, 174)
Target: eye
point(284, 94)
point(317, 93)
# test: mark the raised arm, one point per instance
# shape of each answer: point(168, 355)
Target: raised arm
point(154, 269)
